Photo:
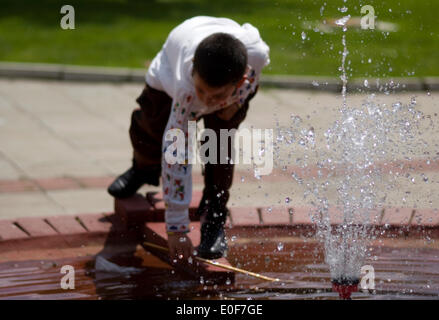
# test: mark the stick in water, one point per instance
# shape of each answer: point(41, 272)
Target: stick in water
point(224, 266)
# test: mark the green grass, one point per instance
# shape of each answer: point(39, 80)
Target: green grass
point(128, 33)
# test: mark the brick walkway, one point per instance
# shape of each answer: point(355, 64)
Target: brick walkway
point(63, 143)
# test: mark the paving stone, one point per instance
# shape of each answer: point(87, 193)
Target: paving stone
point(9, 231)
point(275, 216)
point(244, 216)
point(26, 204)
point(36, 227)
point(301, 215)
point(397, 216)
point(17, 186)
point(66, 225)
point(135, 210)
point(57, 183)
point(95, 222)
point(425, 217)
point(95, 182)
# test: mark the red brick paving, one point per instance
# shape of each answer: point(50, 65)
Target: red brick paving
point(70, 233)
point(275, 216)
point(139, 209)
point(150, 207)
point(277, 175)
point(301, 215)
point(95, 222)
point(425, 217)
point(36, 227)
point(134, 208)
point(244, 216)
point(397, 216)
point(18, 186)
point(9, 231)
point(57, 183)
point(66, 225)
point(95, 182)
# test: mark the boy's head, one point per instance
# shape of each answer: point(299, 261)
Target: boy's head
point(220, 62)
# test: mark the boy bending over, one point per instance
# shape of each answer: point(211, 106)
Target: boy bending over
point(208, 68)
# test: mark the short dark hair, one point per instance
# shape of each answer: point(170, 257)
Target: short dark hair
point(220, 59)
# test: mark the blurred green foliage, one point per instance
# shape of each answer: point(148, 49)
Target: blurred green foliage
point(129, 33)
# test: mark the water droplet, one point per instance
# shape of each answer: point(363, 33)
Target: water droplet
point(343, 21)
point(303, 35)
point(413, 101)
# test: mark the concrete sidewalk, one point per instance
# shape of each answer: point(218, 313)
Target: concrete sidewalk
point(63, 142)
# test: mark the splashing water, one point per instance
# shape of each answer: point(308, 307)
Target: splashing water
point(357, 144)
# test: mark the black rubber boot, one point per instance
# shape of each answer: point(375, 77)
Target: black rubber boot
point(127, 184)
point(213, 243)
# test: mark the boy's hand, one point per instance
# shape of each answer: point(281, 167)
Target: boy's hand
point(180, 246)
point(228, 112)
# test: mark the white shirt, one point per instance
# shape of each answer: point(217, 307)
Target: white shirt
point(171, 72)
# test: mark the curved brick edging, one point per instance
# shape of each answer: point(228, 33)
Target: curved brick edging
point(106, 74)
point(138, 209)
point(144, 215)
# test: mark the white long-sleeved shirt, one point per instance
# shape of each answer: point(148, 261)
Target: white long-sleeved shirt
point(171, 72)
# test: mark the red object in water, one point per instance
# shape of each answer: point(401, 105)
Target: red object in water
point(344, 290)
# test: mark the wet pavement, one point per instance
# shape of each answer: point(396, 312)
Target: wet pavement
point(404, 269)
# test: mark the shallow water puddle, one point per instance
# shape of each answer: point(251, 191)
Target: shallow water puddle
point(402, 270)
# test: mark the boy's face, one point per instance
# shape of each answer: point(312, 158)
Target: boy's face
point(212, 96)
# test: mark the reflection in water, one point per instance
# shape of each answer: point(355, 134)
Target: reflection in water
point(401, 273)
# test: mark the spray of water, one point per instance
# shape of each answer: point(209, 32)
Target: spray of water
point(350, 183)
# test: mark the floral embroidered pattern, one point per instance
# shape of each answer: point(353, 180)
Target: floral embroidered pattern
point(176, 178)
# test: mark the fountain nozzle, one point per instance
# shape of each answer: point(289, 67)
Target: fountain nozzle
point(345, 287)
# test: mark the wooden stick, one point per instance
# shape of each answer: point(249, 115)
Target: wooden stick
point(224, 266)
